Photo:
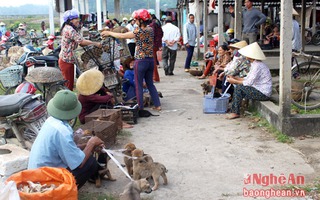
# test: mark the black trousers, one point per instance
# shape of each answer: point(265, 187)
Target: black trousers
point(168, 55)
point(132, 48)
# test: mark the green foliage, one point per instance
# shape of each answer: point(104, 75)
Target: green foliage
point(263, 123)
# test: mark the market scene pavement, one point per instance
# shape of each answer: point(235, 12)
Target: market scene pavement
point(208, 156)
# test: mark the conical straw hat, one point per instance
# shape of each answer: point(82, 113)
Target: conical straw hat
point(294, 12)
point(90, 82)
point(253, 51)
point(239, 45)
point(44, 75)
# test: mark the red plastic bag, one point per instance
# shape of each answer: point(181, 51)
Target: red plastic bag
point(61, 177)
point(213, 79)
point(159, 55)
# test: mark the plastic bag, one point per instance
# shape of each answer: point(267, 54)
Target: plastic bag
point(61, 177)
point(9, 192)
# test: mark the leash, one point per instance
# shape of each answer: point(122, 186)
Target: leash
point(109, 152)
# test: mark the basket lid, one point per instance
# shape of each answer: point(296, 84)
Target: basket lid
point(44, 75)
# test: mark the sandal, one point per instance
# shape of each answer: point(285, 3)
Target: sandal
point(201, 77)
point(157, 108)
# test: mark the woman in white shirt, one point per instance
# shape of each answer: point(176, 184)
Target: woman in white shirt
point(257, 85)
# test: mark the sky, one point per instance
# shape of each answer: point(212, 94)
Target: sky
point(6, 3)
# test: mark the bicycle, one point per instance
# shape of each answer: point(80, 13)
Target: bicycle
point(305, 92)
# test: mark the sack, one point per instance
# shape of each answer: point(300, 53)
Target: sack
point(9, 192)
point(159, 55)
point(61, 177)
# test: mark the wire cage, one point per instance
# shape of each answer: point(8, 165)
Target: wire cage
point(104, 58)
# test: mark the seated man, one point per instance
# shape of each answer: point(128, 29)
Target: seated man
point(54, 145)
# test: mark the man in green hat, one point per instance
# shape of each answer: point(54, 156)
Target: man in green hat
point(54, 145)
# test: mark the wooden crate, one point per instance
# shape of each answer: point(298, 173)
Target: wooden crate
point(113, 115)
point(105, 130)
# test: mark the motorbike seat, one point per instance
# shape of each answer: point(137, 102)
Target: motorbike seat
point(12, 103)
point(46, 58)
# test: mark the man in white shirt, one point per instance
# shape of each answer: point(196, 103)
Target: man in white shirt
point(131, 42)
point(171, 35)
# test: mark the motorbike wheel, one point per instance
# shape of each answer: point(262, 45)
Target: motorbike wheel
point(316, 39)
point(28, 134)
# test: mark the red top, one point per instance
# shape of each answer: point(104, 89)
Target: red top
point(90, 102)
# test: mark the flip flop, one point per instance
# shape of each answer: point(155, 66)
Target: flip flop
point(157, 108)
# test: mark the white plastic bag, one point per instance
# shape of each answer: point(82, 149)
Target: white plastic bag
point(9, 191)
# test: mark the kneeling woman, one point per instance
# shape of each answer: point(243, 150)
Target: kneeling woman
point(257, 85)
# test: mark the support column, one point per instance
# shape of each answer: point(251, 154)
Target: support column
point(220, 22)
point(61, 11)
point(197, 15)
point(82, 7)
point(238, 19)
point(205, 25)
point(87, 6)
point(314, 17)
point(158, 9)
point(75, 4)
point(117, 9)
point(51, 17)
point(303, 23)
point(104, 10)
point(285, 64)
point(262, 25)
point(99, 23)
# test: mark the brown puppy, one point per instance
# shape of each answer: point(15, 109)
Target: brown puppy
point(134, 188)
point(206, 87)
point(128, 161)
point(143, 167)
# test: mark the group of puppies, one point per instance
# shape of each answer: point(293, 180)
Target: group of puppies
point(141, 168)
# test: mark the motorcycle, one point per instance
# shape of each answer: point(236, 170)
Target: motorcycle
point(316, 38)
point(22, 115)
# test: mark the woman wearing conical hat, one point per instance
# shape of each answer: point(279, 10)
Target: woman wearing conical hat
point(257, 85)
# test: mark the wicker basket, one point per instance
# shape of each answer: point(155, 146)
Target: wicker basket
point(11, 76)
point(195, 72)
point(113, 115)
point(297, 91)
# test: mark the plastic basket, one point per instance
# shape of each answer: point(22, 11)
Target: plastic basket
point(11, 76)
point(215, 105)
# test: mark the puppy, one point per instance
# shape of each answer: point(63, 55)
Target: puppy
point(128, 161)
point(146, 100)
point(206, 87)
point(144, 168)
point(138, 153)
point(134, 188)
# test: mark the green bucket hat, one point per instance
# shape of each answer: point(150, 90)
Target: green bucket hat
point(64, 105)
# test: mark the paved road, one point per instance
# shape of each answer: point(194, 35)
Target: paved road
point(206, 155)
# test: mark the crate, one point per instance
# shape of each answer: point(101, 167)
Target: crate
point(215, 105)
point(113, 115)
point(129, 112)
point(11, 76)
point(105, 130)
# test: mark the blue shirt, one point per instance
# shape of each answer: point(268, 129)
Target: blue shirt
point(189, 34)
point(55, 147)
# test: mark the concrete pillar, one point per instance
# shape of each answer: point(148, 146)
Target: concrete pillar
point(82, 7)
point(158, 9)
point(205, 25)
point(303, 23)
point(51, 17)
point(61, 5)
point(220, 22)
point(314, 17)
point(104, 9)
point(99, 22)
point(285, 64)
point(197, 15)
point(238, 19)
point(262, 25)
point(86, 6)
point(117, 9)
point(75, 4)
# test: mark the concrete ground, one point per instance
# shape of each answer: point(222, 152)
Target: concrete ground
point(207, 156)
